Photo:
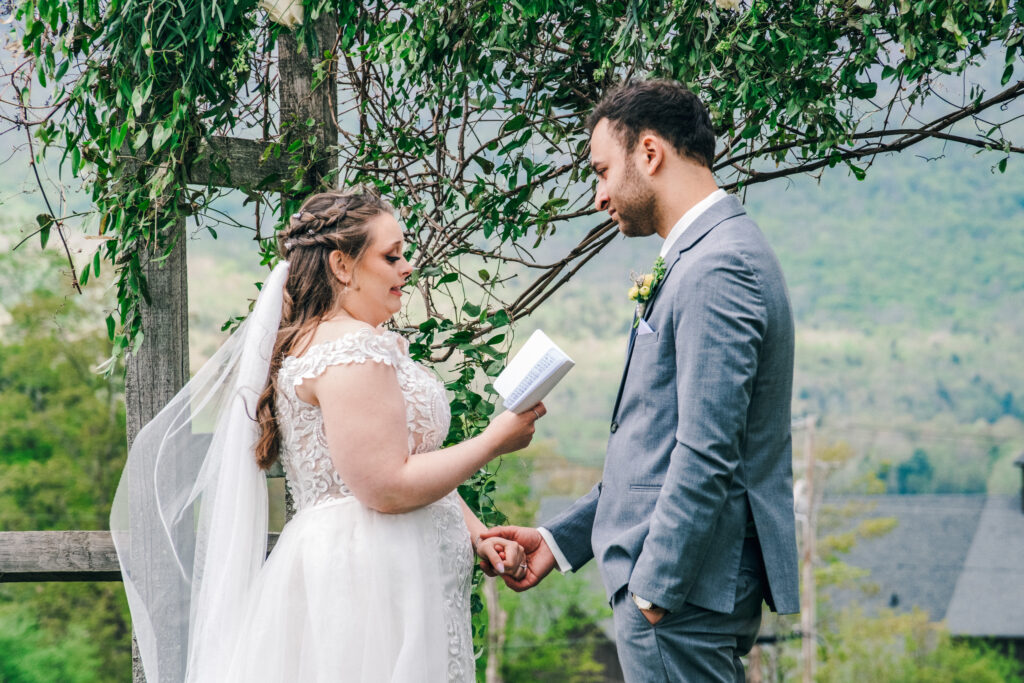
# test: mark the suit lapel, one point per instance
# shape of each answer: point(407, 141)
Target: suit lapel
point(719, 212)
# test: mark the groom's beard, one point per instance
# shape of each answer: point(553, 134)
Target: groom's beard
point(637, 207)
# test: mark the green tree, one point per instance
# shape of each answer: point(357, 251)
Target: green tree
point(63, 443)
point(915, 474)
point(907, 648)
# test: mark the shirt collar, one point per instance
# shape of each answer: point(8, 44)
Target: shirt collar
point(689, 217)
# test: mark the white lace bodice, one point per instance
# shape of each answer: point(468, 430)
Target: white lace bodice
point(309, 471)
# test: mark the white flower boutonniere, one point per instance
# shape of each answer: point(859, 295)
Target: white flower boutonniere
point(644, 286)
point(288, 13)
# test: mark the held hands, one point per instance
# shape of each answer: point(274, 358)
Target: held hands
point(499, 556)
point(539, 559)
point(510, 432)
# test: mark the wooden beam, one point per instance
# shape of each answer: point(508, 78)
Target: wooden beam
point(63, 556)
point(240, 163)
point(58, 556)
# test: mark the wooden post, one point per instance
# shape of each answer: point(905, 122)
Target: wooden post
point(153, 376)
point(808, 602)
point(754, 669)
point(495, 631)
point(300, 102)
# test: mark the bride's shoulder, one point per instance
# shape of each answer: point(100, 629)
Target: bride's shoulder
point(331, 331)
point(338, 341)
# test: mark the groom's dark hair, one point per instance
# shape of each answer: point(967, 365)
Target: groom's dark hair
point(665, 107)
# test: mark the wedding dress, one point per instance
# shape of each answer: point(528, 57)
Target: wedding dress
point(348, 593)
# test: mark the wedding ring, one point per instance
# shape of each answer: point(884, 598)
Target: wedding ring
point(523, 565)
point(535, 412)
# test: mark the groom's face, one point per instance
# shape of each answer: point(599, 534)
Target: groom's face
point(622, 189)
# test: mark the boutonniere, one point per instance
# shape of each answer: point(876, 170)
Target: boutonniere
point(644, 286)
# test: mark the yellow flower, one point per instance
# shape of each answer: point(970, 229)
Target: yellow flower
point(634, 292)
point(648, 279)
point(645, 291)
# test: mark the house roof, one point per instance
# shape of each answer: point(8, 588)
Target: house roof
point(989, 596)
point(918, 563)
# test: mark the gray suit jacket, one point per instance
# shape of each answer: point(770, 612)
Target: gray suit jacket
point(700, 434)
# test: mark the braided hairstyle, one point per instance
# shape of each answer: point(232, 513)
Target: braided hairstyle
point(326, 222)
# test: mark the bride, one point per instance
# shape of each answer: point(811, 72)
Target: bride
point(370, 580)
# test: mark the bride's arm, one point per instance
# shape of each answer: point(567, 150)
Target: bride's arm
point(365, 425)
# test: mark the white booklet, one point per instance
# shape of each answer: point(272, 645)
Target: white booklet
point(532, 373)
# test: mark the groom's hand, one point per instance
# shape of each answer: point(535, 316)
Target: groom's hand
point(539, 558)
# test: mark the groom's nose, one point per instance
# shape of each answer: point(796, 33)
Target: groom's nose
point(601, 198)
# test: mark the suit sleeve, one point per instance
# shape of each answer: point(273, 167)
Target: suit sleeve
point(572, 529)
point(719, 323)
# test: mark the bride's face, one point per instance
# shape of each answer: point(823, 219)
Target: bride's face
point(375, 287)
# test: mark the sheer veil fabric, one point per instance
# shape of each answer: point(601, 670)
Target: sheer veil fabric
point(189, 518)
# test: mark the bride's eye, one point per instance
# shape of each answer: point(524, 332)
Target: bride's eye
point(392, 259)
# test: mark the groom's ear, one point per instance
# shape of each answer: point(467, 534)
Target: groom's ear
point(651, 150)
point(341, 267)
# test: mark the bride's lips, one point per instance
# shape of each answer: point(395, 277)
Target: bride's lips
point(397, 291)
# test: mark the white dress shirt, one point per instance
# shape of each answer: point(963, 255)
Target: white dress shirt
point(689, 217)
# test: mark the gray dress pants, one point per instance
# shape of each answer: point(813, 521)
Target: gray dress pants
point(692, 644)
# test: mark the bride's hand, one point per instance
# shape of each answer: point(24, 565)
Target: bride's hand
point(515, 559)
point(510, 432)
point(501, 556)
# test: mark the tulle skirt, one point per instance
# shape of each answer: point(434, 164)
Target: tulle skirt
point(350, 594)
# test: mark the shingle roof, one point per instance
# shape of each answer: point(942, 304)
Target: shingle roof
point(919, 561)
point(989, 595)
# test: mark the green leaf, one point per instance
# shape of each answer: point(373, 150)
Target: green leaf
point(517, 122)
point(448, 277)
point(160, 135)
point(485, 165)
point(750, 130)
point(45, 222)
point(117, 137)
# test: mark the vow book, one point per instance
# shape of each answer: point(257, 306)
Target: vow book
point(532, 373)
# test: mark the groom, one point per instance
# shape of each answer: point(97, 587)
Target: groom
point(692, 524)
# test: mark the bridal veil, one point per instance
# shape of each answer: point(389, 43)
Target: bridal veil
point(189, 519)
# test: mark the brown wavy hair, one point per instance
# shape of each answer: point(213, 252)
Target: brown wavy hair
point(325, 222)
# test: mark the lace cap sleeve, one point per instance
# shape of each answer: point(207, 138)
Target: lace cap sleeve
point(356, 347)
